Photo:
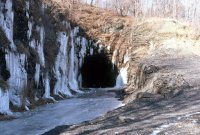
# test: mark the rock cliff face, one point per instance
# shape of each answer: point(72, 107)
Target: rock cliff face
point(41, 55)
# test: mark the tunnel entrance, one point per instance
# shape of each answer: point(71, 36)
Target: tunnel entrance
point(98, 72)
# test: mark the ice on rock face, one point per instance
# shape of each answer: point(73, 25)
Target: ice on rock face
point(83, 51)
point(15, 62)
point(72, 76)
point(84, 44)
point(18, 76)
point(91, 51)
point(80, 80)
point(30, 26)
point(6, 21)
point(37, 45)
point(122, 78)
point(37, 74)
point(60, 68)
point(126, 58)
point(114, 57)
point(27, 8)
point(47, 86)
point(40, 45)
point(73, 84)
point(4, 102)
point(46, 82)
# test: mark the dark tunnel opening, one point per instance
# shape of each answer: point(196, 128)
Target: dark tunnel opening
point(98, 71)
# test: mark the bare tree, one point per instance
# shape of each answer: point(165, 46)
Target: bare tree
point(177, 9)
point(91, 3)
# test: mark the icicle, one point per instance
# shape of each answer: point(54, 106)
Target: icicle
point(43, 8)
point(83, 51)
point(91, 51)
point(84, 44)
point(27, 8)
point(37, 45)
point(40, 46)
point(47, 94)
point(80, 80)
point(30, 24)
point(114, 58)
point(37, 74)
point(18, 76)
point(73, 84)
point(29, 33)
point(60, 68)
point(6, 22)
point(47, 86)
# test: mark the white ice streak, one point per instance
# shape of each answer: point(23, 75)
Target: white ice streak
point(37, 74)
point(122, 78)
point(60, 69)
point(73, 84)
point(6, 21)
point(4, 102)
point(18, 76)
point(47, 86)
